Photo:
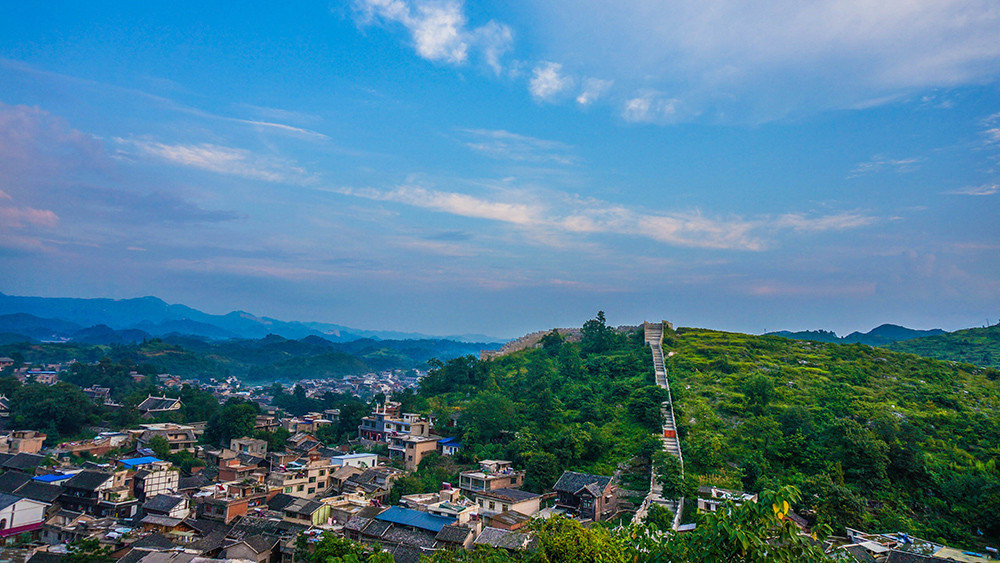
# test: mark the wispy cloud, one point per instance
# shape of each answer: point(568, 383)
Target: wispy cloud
point(18, 217)
point(879, 163)
point(454, 203)
point(439, 29)
point(651, 106)
point(563, 213)
point(221, 159)
point(985, 189)
point(593, 89)
point(504, 145)
point(547, 81)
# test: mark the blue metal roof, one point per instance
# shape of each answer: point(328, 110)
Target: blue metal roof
point(139, 460)
point(453, 442)
point(51, 478)
point(415, 518)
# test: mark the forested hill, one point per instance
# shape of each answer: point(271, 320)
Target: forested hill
point(874, 439)
point(265, 359)
point(980, 346)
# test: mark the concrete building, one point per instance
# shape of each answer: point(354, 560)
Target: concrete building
point(492, 474)
point(411, 449)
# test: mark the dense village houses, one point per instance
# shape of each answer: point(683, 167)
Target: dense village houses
point(386, 421)
point(411, 449)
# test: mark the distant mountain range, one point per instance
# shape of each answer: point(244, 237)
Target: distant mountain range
point(107, 321)
point(879, 336)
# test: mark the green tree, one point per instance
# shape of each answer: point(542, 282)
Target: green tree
point(235, 420)
point(561, 540)
point(88, 551)
point(753, 532)
point(160, 446)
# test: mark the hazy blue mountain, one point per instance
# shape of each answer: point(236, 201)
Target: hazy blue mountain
point(878, 336)
point(105, 335)
point(37, 328)
point(53, 318)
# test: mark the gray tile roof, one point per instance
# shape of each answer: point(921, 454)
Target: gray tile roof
point(509, 495)
point(88, 480)
point(42, 492)
point(13, 480)
point(162, 503)
point(24, 461)
point(453, 533)
point(571, 482)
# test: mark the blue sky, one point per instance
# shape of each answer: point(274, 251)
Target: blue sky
point(449, 167)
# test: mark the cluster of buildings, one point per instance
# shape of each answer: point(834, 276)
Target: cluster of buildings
point(250, 503)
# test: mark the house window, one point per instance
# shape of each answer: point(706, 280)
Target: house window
point(312, 479)
point(312, 490)
point(322, 472)
point(492, 505)
point(288, 489)
point(300, 488)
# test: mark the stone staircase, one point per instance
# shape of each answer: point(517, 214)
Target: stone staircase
point(671, 443)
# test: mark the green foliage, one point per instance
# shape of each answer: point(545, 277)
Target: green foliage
point(978, 346)
point(160, 446)
point(561, 540)
point(332, 548)
point(754, 532)
point(88, 551)
point(875, 439)
point(235, 420)
point(60, 411)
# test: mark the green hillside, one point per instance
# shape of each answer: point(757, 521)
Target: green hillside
point(979, 346)
point(873, 438)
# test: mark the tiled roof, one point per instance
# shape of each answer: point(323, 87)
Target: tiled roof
point(13, 480)
point(571, 482)
point(88, 480)
point(453, 533)
point(24, 461)
point(162, 503)
point(490, 536)
point(509, 495)
point(42, 492)
point(157, 404)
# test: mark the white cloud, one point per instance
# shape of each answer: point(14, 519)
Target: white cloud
point(221, 159)
point(566, 214)
point(505, 145)
point(547, 81)
point(454, 203)
point(879, 163)
point(17, 217)
point(985, 189)
point(651, 107)
point(762, 60)
point(439, 29)
point(836, 222)
point(593, 89)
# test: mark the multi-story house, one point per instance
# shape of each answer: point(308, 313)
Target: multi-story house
point(250, 446)
point(593, 497)
point(100, 494)
point(302, 479)
point(411, 449)
point(492, 474)
point(152, 477)
point(17, 441)
point(180, 437)
point(386, 422)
